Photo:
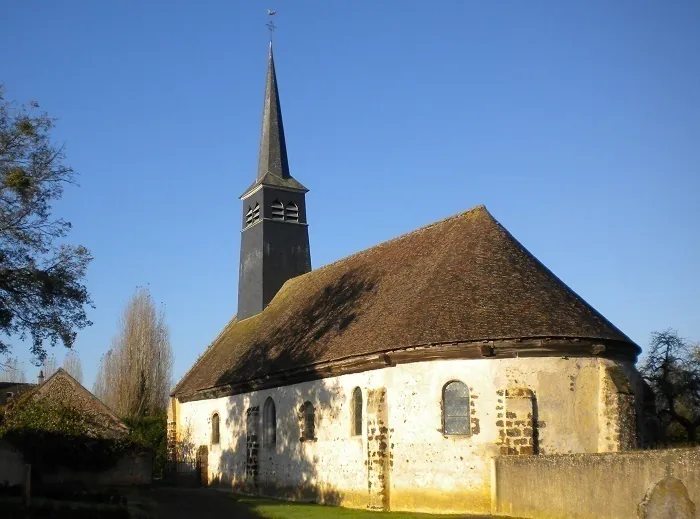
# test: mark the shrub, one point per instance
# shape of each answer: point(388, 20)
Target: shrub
point(151, 432)
point(51, 435)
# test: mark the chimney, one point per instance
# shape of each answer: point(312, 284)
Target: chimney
point(40, 378)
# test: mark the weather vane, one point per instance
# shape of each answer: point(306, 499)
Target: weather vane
point(271, 24)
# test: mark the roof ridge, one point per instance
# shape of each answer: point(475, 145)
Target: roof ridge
point(479, 209)
point(36, 390)
point(464, 278)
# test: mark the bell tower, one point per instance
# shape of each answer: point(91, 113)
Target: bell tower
point(275, 232)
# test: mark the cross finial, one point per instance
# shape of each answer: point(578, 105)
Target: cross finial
point(271, 24)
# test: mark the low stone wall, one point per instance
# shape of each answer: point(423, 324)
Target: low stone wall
point(11, 465)
point(131, 469)
point(661, 484)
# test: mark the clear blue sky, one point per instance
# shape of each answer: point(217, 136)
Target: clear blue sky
point(576, 123)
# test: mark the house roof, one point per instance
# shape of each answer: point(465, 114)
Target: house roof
point(12, 389)
point(62, 387)
point(460, 280)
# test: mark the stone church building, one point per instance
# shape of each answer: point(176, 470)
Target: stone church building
point(390, 379)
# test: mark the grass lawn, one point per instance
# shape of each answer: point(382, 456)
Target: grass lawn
point(203, 503)
point(273, 509)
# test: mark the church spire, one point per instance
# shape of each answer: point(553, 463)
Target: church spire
point(273, 149)
point(273, 166)
point(274, 230)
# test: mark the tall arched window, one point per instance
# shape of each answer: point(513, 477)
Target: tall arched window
point(256, 212)
point(249, 216)
point(307, 421)
point(356, 410)
point(455, 408)
point(215, 429)
point(269, 423)
point(277, 210)
point(291, 212)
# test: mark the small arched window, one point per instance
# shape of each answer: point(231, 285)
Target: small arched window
point(356, 410)
point(455, 408)
point(249, 216)
point(277, 210)
point(307, 421)
point(269, 423)
point(215, 429)
point(256, 212)
point(291, 212)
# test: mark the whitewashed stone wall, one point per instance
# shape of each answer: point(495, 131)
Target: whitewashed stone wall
point(424, 470)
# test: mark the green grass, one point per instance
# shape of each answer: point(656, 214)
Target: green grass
point(273, 509)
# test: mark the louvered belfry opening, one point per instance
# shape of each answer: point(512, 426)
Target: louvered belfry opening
point(249, 216)
point(291, 212)
point(277, 210)
point(256, 212)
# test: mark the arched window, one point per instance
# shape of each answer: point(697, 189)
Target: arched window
point(291, 212)
point(256, 212)
point(249, 216)
point(307, 421)
point(277, 210)
point(215, 429)
point(455, 408)
point(269, 423)
point(356, 410)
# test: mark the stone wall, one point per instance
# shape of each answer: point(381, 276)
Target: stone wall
point(11, 465)
point(131, 469)
point(403, 461)
point(662, 484)
point(517, 421)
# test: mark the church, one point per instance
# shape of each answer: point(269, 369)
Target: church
point(391, 379)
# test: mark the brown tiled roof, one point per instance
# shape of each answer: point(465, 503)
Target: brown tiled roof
point(62, 388)
point(462, 279)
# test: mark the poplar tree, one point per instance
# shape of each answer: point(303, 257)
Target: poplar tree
point(73, 365)
point(135, 375)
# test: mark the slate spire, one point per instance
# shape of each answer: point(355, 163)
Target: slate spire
point(273, 149)
point(273, 165)
point(274, 230)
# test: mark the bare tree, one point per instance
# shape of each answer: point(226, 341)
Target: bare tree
point(12, 371)
point(73, 365)
point(49, 366)
point(672, 370)
point(134, 376)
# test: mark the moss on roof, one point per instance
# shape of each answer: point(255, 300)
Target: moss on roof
point(462, 279)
